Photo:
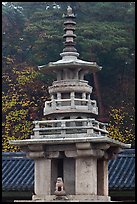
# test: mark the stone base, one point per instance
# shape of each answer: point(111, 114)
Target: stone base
point(68, 198)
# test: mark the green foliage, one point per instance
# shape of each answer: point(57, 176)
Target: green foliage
point(41, 40)
point(13, 22)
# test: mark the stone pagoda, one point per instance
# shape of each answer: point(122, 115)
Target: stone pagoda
point(72, 145)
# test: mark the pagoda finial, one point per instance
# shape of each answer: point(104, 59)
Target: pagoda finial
point(69, 11)
point(69, 35)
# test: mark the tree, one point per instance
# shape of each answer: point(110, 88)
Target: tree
point(22, 96)
point(122, 125)
point(12, 27)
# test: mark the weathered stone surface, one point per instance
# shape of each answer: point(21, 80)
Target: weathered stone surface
point(36, 154)
point(71, 198)
point(72, 140)
point(102, 177)
point(42, 177)
point(70, 153)
point(83, 145)
point(86, 176)
point(53, 154)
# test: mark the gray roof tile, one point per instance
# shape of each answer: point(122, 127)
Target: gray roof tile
point(122, 171)
point(18, 171)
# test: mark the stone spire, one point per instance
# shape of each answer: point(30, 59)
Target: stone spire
point(70, 55)
point(69, 35)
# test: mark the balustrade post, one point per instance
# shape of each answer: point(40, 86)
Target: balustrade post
point(36, 132)
point(97, 124)
point(63, 125)
point(90, 130)
point(84, 123)
point(89, 102)
point(59, 98)
point(72, 95)
point(84, 97)
point(72, 123)
point(94, 106)
point(99, 133)
point(104, 127)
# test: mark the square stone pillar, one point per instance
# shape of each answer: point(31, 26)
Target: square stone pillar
point(69, 175)
point(42, 176)
point(54, 174)
point(86, 176)
point(102, 179)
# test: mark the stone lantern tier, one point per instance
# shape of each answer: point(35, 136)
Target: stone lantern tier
point(70, 96)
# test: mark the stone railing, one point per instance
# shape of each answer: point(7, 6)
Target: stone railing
point(73, 103)
point(69, 128)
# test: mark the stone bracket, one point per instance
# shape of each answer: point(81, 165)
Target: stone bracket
point(90, 152)
point(70, 154)
point(112, 153)
point(85, 145)
point(36, 154)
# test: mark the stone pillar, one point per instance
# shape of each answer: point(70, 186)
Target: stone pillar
point(65, 74)
point(89, 102)
point(69, 175)
point(102, 179)
point(86, 176)
point(58, 75)
point(42, 176)
point(53, 102)
point(58, 96)
point(81, 75)
point(83, 95)
point(54, 174)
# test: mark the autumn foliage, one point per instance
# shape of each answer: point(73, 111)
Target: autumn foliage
point(121, 125)
point(23, 93)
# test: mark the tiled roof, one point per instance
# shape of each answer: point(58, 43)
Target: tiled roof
point(18, 171)
point(122, 171)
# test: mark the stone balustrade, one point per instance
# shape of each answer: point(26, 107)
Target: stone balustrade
point(69, 128)
point(68, 104)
